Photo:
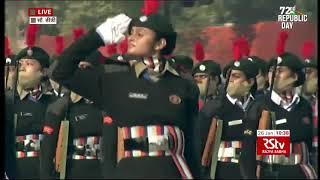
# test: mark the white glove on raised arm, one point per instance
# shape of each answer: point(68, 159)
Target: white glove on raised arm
point(113, 29)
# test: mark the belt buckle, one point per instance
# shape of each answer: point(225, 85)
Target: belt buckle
point(158, 143)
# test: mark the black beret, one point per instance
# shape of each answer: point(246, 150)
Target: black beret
point(291, 61)
point(208, 67)
point(11, 60)
point(161, 26)
point(311, 63)
point(260, 63)
point(182, 60)
point(35, 53)
point(248, 67)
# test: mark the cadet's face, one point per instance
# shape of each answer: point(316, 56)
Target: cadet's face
point(283, 73)
point(261, 80)
point(200, 78)
point(141, 42)
point(237, 76)
point(30, 73)
point(311, 73)
point(29, 65)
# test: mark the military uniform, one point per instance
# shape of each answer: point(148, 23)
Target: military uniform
point(183, 65)
point(29, 109)
point(236, 153)
point(158, 110)
point(296, 116)
point(28, 130)
point(211, 69)
point(85, 131)
point(84, 151)
point(313, 100)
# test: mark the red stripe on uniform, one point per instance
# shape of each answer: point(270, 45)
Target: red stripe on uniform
point(172, 132)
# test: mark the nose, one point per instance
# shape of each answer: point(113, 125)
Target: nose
point(130, 38)
point(21, 67)
point(197, 79)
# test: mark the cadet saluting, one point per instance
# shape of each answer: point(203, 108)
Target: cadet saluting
point(151, 107)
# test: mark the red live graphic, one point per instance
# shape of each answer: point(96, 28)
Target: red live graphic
point(40, 11)
point(273, 145)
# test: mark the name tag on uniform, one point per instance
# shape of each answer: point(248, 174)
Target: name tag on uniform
point(138, 95)
point(235, 122)
point(281, 121)
point(81, 117)
point(27, 114)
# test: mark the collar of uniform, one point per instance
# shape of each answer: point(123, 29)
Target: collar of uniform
point(57, 93)
point(234, 100)
point(231, 99)
point(23, 93)
point(276, 98)
point(141, 67)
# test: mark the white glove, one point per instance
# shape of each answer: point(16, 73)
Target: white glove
point(113, 29)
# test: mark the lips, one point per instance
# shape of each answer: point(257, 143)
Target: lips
point(131, 45)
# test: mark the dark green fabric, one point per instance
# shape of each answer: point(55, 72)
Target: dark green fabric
point(37, 53)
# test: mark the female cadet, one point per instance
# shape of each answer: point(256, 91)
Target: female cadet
point(147, 133)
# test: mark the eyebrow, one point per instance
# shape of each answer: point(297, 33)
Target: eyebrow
point(236, 73)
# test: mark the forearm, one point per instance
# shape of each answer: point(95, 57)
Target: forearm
point(109, 150)
point(66, 71)
point(48, 146)
point(68, 61)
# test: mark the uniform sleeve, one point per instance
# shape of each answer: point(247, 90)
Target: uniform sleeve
point(307, 122)
point(10, 154)
point(87, 82)
point(248, 163)
point(192, 114)
point(109, 149)
point(48, 146)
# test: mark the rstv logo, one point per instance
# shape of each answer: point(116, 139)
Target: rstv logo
point(273, 142)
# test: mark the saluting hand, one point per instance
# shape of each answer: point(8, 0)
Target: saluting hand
point(113, 29)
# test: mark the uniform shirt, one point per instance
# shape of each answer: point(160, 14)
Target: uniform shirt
point(30, 118)
point(295, 116)
point(237, 121)
point(85, 120)
point(131, 101)
point(239, 102)
point(275, 97)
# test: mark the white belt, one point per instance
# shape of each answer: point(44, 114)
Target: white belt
point(293, 159)
point(227, 149)
point(227, 152)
